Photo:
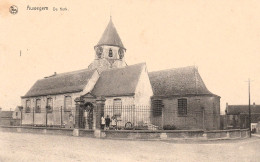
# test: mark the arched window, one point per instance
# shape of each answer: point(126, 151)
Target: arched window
point(110, 53)
point(38, 106)
point(117, 107)
point(99, 51)
point(121, 53)
point(28, 106)
point(68, 103)
point(49, 105)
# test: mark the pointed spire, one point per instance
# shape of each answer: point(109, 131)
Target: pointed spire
point(110, 36)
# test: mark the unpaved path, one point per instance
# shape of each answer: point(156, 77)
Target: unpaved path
point(34, 147)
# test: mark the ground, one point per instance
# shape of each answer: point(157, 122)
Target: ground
point(35, 147)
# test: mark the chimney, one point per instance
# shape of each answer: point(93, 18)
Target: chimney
point(51, 75)
point(226, 110)
point(254, 103)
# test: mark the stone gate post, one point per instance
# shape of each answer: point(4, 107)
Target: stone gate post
point(100, 103)
point(77, 118)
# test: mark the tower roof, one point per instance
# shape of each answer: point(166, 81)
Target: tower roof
point(110, 36)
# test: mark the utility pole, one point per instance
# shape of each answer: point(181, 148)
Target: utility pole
point(61, 121)
point(249, 108)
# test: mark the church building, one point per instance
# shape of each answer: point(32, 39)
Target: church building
point(111, 87)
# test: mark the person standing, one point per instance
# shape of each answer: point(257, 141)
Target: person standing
point(102, 122)
point(107, 122)
point(113, 123)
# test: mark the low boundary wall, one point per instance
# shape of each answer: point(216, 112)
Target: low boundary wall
point(135, 134)
point(44, 130)
point(177, 134)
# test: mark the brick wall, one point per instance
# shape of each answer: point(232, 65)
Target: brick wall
point(194, 118)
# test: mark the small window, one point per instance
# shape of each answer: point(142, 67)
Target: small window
point(38, 106)
point(49, 105)
point(117, 108)
point(68, 104)
point(157, 107)
point(121, 53)
point(182, 107)
point(99, 52)
point(28, 106)
point(110, 53)
point(16, 113)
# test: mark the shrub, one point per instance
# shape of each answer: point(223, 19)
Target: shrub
point(141, 127)
point(169, 127)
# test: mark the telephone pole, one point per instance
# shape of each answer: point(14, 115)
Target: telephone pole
point(249, 108)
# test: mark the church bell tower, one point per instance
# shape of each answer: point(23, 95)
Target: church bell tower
point(109, 51)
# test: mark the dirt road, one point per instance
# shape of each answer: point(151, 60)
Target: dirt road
point(33, 147)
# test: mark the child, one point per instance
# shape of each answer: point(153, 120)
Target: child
point(102, 122)
point(114, 122)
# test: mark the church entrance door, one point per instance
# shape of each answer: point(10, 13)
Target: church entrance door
point(86, 116)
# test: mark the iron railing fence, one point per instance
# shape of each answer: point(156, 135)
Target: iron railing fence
point(48, 117)
point(130, 117)
point(147, 118)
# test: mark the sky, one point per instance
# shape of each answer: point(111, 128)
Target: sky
point(221, 38)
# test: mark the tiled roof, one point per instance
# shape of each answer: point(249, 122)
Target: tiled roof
point(110, 36)
point(242, 109)
point(6, 114)
point(61, 83)
point(118, 81)
point(179, 81)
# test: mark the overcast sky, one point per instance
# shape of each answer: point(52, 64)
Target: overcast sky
point(222, 38)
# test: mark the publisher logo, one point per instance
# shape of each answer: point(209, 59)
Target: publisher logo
point(13, 9)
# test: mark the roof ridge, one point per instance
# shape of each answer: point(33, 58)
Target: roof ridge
point(170, 69)
point(68, 73)
point(124, 67)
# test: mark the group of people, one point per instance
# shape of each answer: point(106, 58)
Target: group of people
point(105, 123)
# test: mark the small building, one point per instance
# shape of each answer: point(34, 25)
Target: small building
point(6, 119)
point(17, 113)
point(237, 116)
point(181, 99)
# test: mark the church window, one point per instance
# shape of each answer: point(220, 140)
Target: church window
point(182, 107)
point(121, 53)
point(99, 52)
point(68, 103)
point(157, 106)
point(110, 53)
point(38, 106)
point(28, 106)
point(117, 108)
point(49, 105)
